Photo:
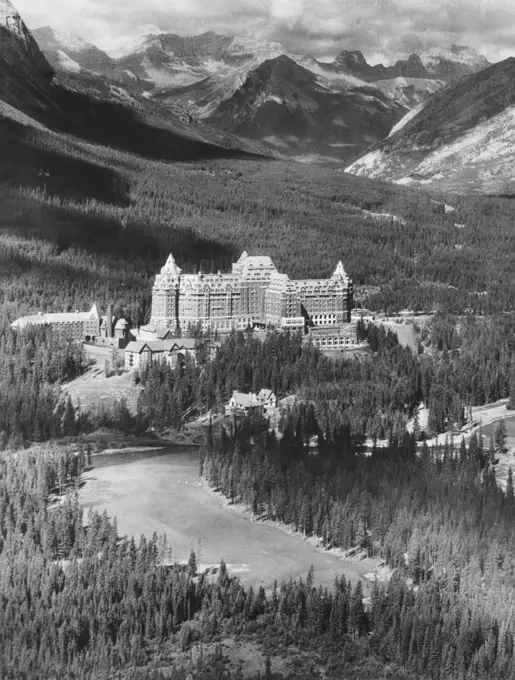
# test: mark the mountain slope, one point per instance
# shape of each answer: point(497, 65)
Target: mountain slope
point(25, 74)
point(284, 105)
point(456, 135)
point(203, 74)
point(93, 108)
point(62, 51)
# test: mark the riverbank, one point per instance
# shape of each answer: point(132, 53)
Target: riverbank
point(358, 566)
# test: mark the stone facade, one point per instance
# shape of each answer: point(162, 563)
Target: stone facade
point(253, 293)
point(68, 325)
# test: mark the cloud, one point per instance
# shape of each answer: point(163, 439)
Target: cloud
point(387, 29)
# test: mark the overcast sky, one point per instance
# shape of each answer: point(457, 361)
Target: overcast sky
point(381, 29)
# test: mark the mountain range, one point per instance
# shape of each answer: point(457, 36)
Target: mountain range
point(293, 104)
point(88, 106)
point(444, 118)
point(286, 106)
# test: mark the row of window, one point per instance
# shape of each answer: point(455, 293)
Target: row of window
point(334, 343)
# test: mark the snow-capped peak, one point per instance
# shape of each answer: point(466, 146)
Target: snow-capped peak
point(253, 46)
point(455, 53)
point(71, 41)
point(10, 19)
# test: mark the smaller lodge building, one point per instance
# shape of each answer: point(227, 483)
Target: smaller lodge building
point(173, 351)
point(241, 403)
point(88, 327)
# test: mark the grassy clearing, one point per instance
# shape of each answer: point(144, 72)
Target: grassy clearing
point(93, 388)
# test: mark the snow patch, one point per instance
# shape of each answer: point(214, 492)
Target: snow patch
point(404, 121)
point(384, 216)
point(67, 63)
point(370, 164)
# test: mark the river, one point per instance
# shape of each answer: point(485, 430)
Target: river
point(161, 491)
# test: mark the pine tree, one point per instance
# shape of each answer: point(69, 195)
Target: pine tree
point(358, 620)
point(501, 437)
point(511, 399)
point(192, 564)
point(510, 495)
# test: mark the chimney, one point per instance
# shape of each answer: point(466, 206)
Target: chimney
point(109, 320)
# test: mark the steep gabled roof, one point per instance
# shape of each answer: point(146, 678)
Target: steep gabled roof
point(264, 394)
point(137, 346)
point(94, 312)
point(245, 400)
point(339, 272)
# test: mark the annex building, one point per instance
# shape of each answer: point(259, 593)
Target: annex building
point(89, 327)
point(253, 294)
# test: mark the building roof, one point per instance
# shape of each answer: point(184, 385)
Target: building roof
point(122, 324)
point(265, 395)
point(339, 272)
point(170, 267)
point(153, 332)
point(137, 346)
point(158, 346)
point(186, 343)
point(244, 400)
point(55, 317)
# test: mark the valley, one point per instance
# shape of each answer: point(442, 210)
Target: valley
point(237, 496)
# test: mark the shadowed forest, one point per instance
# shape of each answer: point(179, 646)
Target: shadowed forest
point(79, 224)
point(113, 217)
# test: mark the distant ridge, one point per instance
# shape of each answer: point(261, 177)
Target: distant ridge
point(201, 71)
point(58, 48)
point(462, 136)
point(284, 105)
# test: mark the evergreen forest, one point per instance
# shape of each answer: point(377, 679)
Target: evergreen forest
point(81, 223)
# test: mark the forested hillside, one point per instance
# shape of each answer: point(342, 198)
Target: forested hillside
point(85, 213)
point(82, 223)
point(78, 602)
point(96, 189)
point(344, 400)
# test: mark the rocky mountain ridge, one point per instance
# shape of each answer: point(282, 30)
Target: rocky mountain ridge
point(462, 136)
point(212, 66)
point(60, 49)
point(286, 106)
point(75, 105)
point(25, 74)
point(444, 63)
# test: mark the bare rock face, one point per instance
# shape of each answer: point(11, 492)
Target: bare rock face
point(449, 63)
point(444, 63)
point(462, 137)
point(285, 106)
point(25, 74)
point(67, 52)
point(18, 49)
